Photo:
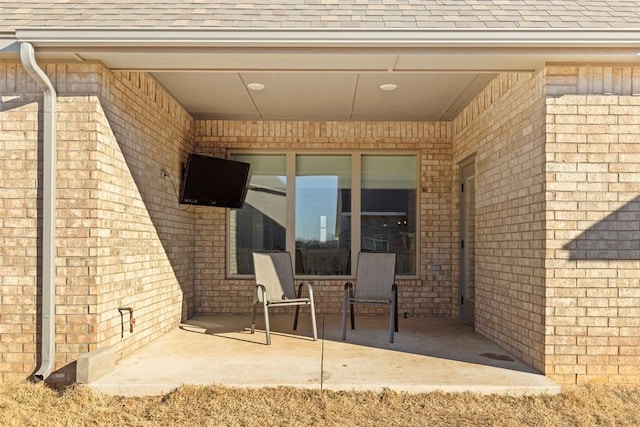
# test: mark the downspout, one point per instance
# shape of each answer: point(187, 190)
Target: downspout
point(27, 56)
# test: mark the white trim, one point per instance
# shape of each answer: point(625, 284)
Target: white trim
point(265, 37)
point(9, 43)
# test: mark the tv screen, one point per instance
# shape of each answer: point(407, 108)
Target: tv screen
point(212, 181)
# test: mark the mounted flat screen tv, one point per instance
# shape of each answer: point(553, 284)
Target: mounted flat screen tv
point(212, 181)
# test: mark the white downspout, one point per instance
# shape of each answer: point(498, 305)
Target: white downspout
point(27, 56)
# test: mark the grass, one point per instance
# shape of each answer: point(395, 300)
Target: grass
point(27, 404)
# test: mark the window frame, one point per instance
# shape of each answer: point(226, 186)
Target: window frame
point(356, 205)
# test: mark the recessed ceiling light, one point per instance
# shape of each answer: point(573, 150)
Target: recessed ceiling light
point(389, 86)
point(255, 86)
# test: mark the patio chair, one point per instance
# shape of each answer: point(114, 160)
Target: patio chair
point(374, 284)
point(275, 287)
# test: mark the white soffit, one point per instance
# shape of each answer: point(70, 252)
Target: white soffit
point(419, 96)
point(294, 96)
point(221, 95)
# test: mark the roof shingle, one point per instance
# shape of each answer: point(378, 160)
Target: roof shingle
point(574, 14)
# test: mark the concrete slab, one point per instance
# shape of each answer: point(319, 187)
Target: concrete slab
point(428, 355)
point(95, 364)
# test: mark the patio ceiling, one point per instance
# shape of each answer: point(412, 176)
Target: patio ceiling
point(329, 75)
point(350, 91)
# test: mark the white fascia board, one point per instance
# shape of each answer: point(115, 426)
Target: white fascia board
point(332, 38)
point(9, 44)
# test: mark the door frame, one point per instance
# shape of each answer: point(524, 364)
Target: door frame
point(466, 170)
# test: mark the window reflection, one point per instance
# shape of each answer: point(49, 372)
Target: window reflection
point(323, 207)
point(322, 226)
point(388, 218)
point(261, 223)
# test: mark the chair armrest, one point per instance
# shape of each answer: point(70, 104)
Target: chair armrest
point(348, 290)
point(309, 289)
point(260, 293)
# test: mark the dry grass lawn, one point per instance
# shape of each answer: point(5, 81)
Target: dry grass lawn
point(26, 404)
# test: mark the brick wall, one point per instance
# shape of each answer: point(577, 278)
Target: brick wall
point(145, 238)
point(429, 295)
point(557, 214)
point(593, 224)
point(122, 237)
point(504, 128)
point(19, 237)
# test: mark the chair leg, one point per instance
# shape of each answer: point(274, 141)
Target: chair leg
point(393, 315)
point(394, 290)
point(391, 323)
point(253, 319)
point(266, 323)
point(295, 319)
point(313, 311)
point(351, 308)
point(313, 321)
point(353, 316)
point(345, 303)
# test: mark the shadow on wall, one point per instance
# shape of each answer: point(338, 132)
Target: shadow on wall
point(147, 153)
point(158, 235)
point(15, 103)
point(615, 237)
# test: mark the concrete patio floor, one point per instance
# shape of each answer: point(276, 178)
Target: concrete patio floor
point(429, 354)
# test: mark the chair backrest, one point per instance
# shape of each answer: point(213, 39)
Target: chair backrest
point(274, 271)
point(376, 273)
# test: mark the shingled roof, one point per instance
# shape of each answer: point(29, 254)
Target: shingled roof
point(374, 14)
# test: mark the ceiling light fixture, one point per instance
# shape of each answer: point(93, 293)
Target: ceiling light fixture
point(255, 86)
point(389, 87)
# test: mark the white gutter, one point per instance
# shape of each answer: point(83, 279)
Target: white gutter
point(268, 37)
point(27, 56)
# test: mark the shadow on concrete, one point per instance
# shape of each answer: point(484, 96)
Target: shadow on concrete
point(428, 355)
point(444, 338)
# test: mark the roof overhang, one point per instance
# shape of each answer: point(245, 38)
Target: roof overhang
point(336, 71)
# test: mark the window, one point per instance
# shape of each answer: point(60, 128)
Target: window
point(324, 208)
